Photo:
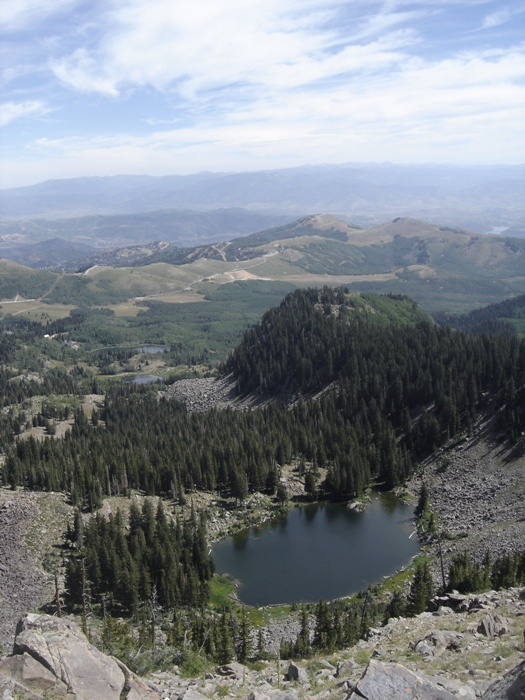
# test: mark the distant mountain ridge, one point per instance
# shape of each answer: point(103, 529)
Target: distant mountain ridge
point(182, 227)
point(483, 196)
point(54, 252)
point(324, 244)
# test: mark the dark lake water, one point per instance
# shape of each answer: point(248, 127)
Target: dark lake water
point(142, 379)
point(318, 551)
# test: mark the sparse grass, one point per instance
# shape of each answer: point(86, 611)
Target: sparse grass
point(362, 656)
point(36, 310)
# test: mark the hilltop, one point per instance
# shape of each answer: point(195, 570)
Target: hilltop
point(442, 268)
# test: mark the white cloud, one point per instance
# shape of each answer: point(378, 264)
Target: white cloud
point(242, 84)
point(422, 111)
point(10, 111)
point(80, 71)
point(199, 45)
point(15, 14)
point(502, 16)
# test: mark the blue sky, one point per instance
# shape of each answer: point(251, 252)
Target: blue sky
point(179, 86)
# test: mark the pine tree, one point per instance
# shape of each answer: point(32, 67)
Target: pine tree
point(421, 589)
point(244, 644)
point(224, 641)
point(303, 647)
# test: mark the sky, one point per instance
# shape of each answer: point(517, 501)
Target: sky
point(160, 87)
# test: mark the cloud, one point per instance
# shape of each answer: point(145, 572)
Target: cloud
point(196, 46)
point(16, 14)
point(424, 110)
point(494, 19)
point(10, 111)
point(81, 71)
point(166, 87)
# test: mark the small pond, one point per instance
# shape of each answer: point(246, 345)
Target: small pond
point(319, 551)
point(152, 349)
point(142, 379)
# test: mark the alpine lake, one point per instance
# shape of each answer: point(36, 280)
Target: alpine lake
point(319, 551)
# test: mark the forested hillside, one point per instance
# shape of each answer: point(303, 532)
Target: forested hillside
point(394, 387)
point(507, 317)
point(357, 390)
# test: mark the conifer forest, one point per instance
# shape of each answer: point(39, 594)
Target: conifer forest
point(362, 386)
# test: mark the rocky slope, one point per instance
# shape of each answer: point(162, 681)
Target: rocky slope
point(461, 649)
point(476, 486)
point(477, 490)
point(469, 647)
point(31, 525)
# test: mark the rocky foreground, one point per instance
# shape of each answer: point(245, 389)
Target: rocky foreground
point(470, 647)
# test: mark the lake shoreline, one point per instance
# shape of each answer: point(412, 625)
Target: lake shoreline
point(321, 550)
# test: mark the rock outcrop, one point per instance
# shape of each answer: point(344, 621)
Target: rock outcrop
point(510, 687)
point(53, 658)
point(391, 681)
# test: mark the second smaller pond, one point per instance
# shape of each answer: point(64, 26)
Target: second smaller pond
point(142, 379)
point(152, 349)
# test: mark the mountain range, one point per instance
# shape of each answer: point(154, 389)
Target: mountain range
point(477, 197)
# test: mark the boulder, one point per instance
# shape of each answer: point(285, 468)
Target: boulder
point(510, 687)
point(295, 673)
point(493, 626)
point(31, 675)
point(232, 670)
point(391, 681)
point(52, 658)
point(437, 642)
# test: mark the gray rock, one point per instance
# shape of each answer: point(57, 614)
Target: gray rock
point(30, 674)
point(390, 681)
point(135, 688)
point(53, 658)
point(443, 611)
point(461, 691)
point(493, 626)
point(343, 668)
point(232, 670)
point(437, 642)
point(424, 648)
point(295, 673)
point(62, 648)
point(192, 694)
point(510, 687)
point(273, 695)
